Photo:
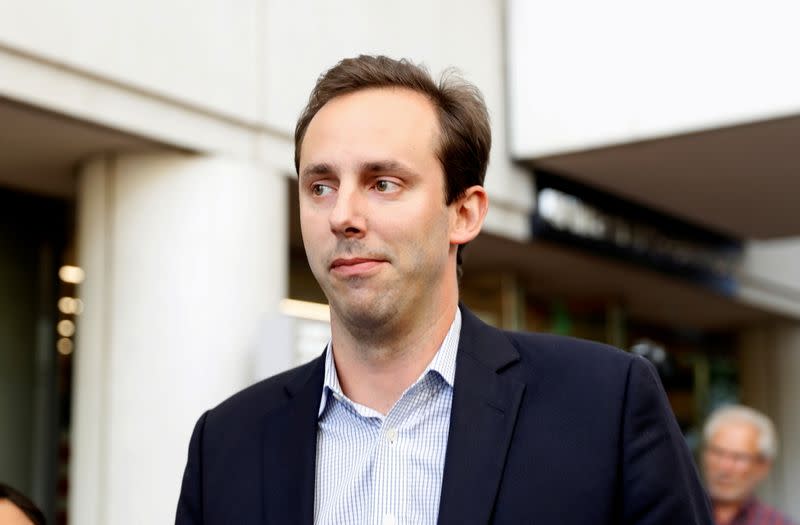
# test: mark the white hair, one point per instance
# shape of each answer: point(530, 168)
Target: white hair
point(767, 439)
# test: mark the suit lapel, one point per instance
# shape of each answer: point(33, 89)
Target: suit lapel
point(290, 445)
point(484, 411)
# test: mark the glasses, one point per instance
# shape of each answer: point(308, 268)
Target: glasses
point(738, 458)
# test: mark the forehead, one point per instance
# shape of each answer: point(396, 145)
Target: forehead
point(736, 435)
point(380, 122)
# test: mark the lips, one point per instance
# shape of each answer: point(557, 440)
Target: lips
point(355, 266)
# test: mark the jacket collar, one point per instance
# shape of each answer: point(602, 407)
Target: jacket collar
point(485, 406)
point(289, 449)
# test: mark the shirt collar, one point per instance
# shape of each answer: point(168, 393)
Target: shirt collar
point(443, 363)
point(746, 509)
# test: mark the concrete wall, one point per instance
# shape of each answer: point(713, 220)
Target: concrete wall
point(774, 261)
point(769, 275)
point(588, 74)
point(199, 52)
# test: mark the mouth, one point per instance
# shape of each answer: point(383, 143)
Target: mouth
point(355, 266)
point(722, 482)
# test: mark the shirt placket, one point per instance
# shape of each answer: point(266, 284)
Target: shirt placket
point(391, 494)
point(418, 412)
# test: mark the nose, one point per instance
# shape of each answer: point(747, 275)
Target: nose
point(725, 464)
point(347, 218)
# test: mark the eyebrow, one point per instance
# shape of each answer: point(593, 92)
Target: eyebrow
point(386, 166)
point(321, 168)
point(374, 166)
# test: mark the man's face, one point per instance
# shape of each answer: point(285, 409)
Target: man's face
point(372, 205)
point(732, 463)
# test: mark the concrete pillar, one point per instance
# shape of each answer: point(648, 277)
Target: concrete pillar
point(770, 366)
point(185, 261)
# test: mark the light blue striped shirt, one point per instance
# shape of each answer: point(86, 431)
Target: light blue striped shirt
point(380, 469)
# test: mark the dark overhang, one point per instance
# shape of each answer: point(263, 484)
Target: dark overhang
point(581, 216)
point(742, 180)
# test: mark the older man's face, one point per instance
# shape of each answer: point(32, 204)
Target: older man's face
point(732, 462)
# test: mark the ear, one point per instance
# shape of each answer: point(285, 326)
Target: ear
point(467, 214)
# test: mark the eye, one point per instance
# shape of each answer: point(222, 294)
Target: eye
point(320, 189)
point(386, 186)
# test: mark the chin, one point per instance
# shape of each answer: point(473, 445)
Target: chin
point(365, 313)
point(726, 496)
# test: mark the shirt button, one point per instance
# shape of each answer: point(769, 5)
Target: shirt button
point(389, 519)
point(391, 435)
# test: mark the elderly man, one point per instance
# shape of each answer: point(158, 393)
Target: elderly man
point(416, 411)
point(740, 446)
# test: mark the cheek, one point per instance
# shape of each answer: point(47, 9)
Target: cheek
point(313, 243)
point(434, 218)
point(313, 225)
point(750, 475)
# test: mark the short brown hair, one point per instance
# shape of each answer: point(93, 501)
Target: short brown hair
point(466, 136)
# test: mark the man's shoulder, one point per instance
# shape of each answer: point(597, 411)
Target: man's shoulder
point(578, 366)
point(557, 360)
point(255, 401)
point(559, 350)
point(559, 344)
point(538, 348)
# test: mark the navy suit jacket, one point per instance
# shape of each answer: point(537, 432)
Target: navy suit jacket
point(544, 429)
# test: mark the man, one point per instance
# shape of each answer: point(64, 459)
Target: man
point(740, 446)
point(417, 412)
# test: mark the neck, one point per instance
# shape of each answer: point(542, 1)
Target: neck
point(725, 511)
point(375, 373)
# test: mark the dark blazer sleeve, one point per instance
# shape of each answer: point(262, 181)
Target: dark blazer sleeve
point(660, 482)
point(190, 500)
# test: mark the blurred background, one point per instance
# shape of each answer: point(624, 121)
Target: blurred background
point(644, 185)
